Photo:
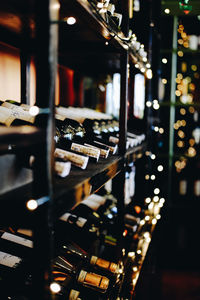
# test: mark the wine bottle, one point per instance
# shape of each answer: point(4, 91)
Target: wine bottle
point(8, 118)
point(12, 114)
point(73, 251)
point(65, 288)
point(76, 228)
point(15, 244)
point(87, 118)
point(14, 273)
point(92, 280)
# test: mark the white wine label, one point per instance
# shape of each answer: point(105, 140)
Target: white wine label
point(65, 217)
point(81, 221)
point(9, 260)
point(62, 169)
point(103, 152)
point(73, 295)
point(60, 117)
point(92, 204)
point(183, 187)
point(76, 159)
point(197, 188)
point(97, 198)
point(17, 239)
point(93, 152)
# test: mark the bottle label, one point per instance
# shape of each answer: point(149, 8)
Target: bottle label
point(182, 187)
point(92, 204)
point(73, 295)
point(93, 152)
point(103, 152)
point(197, 188)
point(62, 169)
point(76, 159)
point(60, 117)
point(104, 264)
point(17, 239)
point(9, 260)
point(72, 219)
point(93, 279)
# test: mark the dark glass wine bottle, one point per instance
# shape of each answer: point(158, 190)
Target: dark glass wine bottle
point(91, 280)
point(15, 274)
point(72, 251)
point(15, 244)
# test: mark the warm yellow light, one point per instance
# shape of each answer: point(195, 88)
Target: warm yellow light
point(32, 204)
point(193, 67)
point(167, 11)
point(156, 128)
point(158, 217)
point(131, 254)
point(191, 109)
point(149, 74)
point(154, 221)
point(180, 41)
point(164, 81)
point(192, 152)
point(55, 287)
point(148, 200)
point(177, 93)
point(164, 60)
point(160, 168)
point(181, 134)
point(155, 199)
point(180, 76)
point(153, 156)
point(180, 53)
point(34, 110)
point(135, 269)
point(70, 20)
point(182, 111)
point(147, 177)
point(161, 130)
point(150, 206)
point(180, 144)
point(191, 142)
point(156, 191)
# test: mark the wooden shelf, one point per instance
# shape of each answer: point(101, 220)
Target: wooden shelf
point(71, 190)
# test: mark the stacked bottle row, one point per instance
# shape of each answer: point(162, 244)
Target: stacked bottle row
point(81, 134)
point(85, 264)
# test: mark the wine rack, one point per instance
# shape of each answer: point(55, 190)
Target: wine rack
point(93, 45)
